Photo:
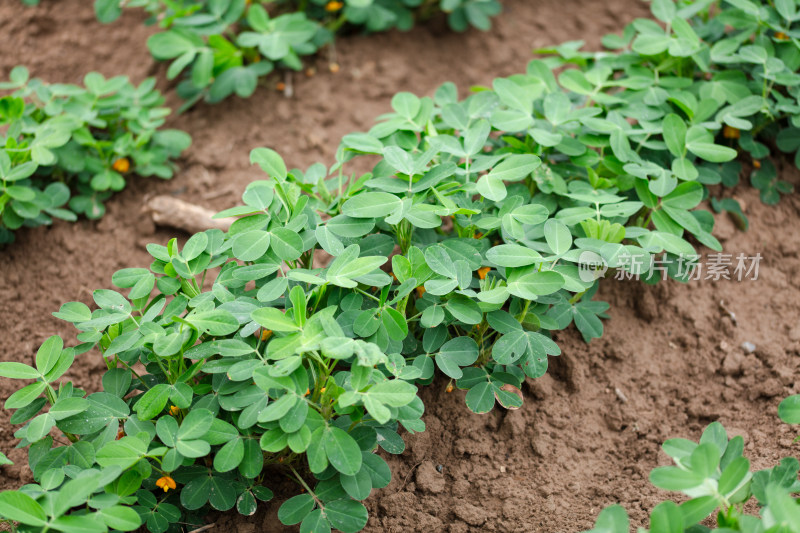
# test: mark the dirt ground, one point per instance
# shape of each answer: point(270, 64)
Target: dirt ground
point(590, 430)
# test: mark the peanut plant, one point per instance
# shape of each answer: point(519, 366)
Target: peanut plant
point(295, 341)
point(718, 482)
point(65, 149)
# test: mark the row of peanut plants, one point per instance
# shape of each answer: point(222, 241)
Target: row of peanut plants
point(65, 149)
point(222, 47)
point(295, 341)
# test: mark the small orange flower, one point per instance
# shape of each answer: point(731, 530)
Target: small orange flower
point(756, 163)
point(731, 133)
point(781, 36)
point(322, 390)
point(394, 277)
point(449, 387)
point(174, 410)
point(308, 391)
point(334, 67)
point(166, 483)
point(280, 86)
point(333, 5)
point(120, 434)
point(483, 271)
point(121, 165)
point(478, 235)
point(420, 291)
point(266, 334)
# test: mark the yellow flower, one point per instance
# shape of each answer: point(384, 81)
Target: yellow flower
point(420, 291)
point(756, 163)
point(483, 271)
point(174, 410)
point(478, 235)
point(731, 133)
point(121, 165)
point(166, 483)
point(781, 36)
point(266, 334)
point(333, 5)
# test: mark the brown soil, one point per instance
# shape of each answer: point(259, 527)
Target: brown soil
point(589, 431)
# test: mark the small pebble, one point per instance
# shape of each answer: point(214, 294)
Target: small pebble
point(502, 469)
point(748, 347)
point(439, 468)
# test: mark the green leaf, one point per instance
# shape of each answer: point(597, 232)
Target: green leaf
point(171, 44)
point(65, 407)
point(457, 353)
point(515, 167)
point(480, 398)
point(358, 486)
point(734, 476)
point(107, 11)
point(492, 188)
point(74, 312)
point(465, 310)
point(120, 518)
point(40, 426)
point(16, 370)
point(673, 478)
point(348, 516)
point(273, 319)
point(612, 519)
point(342, 451)
point(701, 143)
point(21, 508)
point(674, 131)
point(395, 392)
point(123, 453)
point(269, 161)
point(535, 284)
point(512, 255)
point(251, 245)
point(406, 104)
point(246, 504)
point(558, 236)
point(378, 469)
point(216, 323)
point(395, 324)
point(315, 522)
point(152, 402)
point(789, 409)
point(25, 395)
point(286, 244)
point(295, 509)
point(666, 518)
point(196, 424)
point(78, 524)
point(229, 456)
point(371, 205)
point(663, 10)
